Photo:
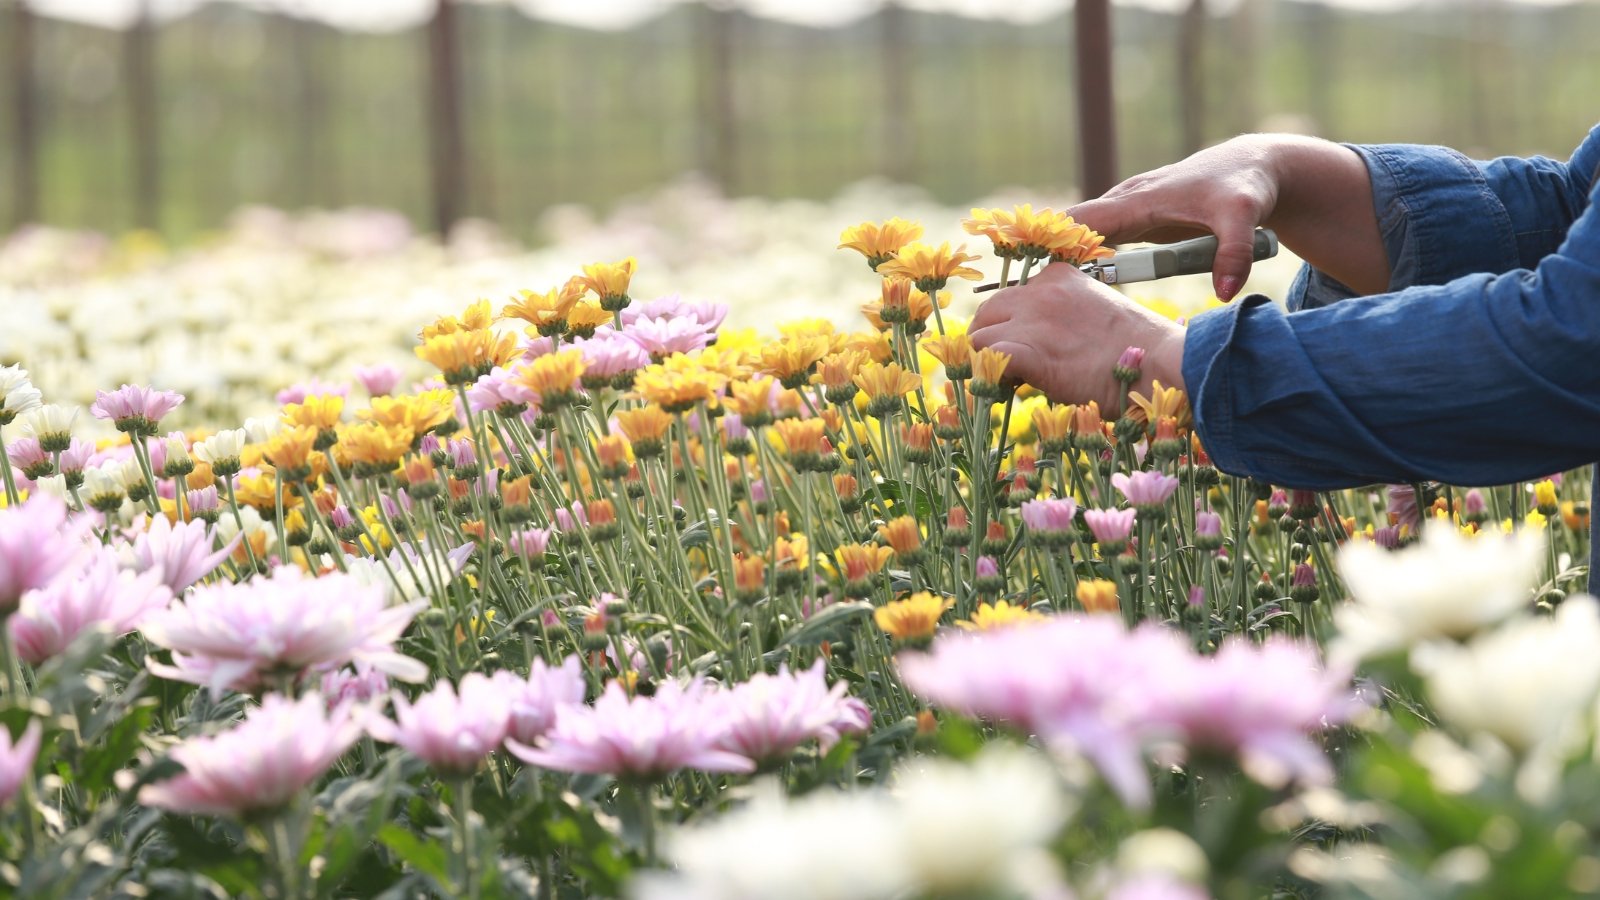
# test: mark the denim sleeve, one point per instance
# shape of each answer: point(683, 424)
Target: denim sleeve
point(1442, 215)
point(1483, 379)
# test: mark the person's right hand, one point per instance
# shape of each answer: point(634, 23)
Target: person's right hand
point(1315, 194)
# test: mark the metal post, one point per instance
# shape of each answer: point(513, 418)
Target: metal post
point(897, 154)
point(1096, 112)
point(144, 117)
point(445, 134)
point(1191, 92)
point(24, 117)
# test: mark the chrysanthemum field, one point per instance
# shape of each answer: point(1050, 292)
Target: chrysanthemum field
point(620, 602)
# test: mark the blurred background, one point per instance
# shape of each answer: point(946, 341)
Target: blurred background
point(170, 114)
point(229, 197)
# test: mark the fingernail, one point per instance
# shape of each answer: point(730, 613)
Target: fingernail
point(1227, 286)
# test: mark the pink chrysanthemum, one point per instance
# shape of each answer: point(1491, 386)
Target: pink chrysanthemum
point(451, 730)
point(378, 380)
point(1050, 516)
point(499, 391)
point(279, 749)
point(663, 337)
point(233, 635)
point(1110, 526)
point(38, 541)
point(1074, 679)
point(706, 313)
point(1257, 702)
point(97, 595)
point(316, 387)
point(182, 553)
point(769, 716)
point(535, 700)
point(1146, 489)
point(609, 354)
point(135, 409)
point(16, 759)
point(640, 738)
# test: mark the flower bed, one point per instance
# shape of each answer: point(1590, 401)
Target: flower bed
point(620, 601)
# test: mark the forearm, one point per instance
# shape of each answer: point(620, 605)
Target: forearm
point(1324, 210)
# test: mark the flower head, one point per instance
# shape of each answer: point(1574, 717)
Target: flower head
point(1147, 490)
point(16, 759)
point(136, 410)
point(914, 618)
point(280, 749)
point(378, 380)
point(98, 594)
point(452, 729)
point(535, 700)
point(928, 267)
point(1111, 528)
point(224, 634)
point(38, 542)
point(642, 738)
point(17, 393)
point(180, 554)
point(1447, 586)
point(610, 282)
point(769, 716)
point(1001, 614)
point(879, 242)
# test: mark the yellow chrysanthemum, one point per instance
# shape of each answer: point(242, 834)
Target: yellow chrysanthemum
point(1054, 426)
point(891, 380)
point(801, 439)
point(610, 282)
point(320, 412)
point(879, 242)
point(554, 376)
point(293, 452)
point(417, 413)
point(903, 535)
point(989, 366)
point(988, 223)
point(584, 318)
point(954, 351)
point(1002, 614)
point(463, 356)
point(375, 448)
point(930, 268)
point(476, 317)
point(914, 618)
point(1098, 595)
point(546, 312)
point(676, 388)
point(1162, 403)
point(859, 562)
point(876, 345)
point(790, 360)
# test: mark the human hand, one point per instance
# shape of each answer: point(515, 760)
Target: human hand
point(1065, 330)
point(1315, 194)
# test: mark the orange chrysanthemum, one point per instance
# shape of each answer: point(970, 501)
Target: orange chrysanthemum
point(930, 268)
point(879, 242)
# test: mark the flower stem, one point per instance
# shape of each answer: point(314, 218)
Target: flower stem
point(471, 881)
point(12, 498)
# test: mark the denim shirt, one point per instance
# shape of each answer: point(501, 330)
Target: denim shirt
point(1480, 365)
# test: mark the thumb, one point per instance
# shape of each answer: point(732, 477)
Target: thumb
point(1235, 253)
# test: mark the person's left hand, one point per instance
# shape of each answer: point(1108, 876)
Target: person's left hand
point(1065, 331)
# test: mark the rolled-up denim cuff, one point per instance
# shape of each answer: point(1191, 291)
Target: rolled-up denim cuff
point(1437, 214)
point(1206, 375)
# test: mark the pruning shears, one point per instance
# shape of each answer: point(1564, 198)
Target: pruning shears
point(1190, 257)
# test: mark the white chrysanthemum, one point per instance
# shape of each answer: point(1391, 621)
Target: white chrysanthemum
point(825, 846)
point(942, 826)
point(221, 447)
point(259, 431)
point(49, 421)
point(967, 827)
point(17, 393)
point(1448, 586)
point(102, 481)
point(1524, 682)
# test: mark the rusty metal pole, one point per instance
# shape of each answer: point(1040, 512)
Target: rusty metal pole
point(446, 137)
point(144, 117)
point(1096, 113)
point(24, 118)
point(897, 152)
point(718, 148)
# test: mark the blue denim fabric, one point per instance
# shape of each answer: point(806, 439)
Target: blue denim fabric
point(1477, 367)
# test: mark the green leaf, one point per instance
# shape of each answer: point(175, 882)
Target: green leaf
point(831, 623)
point(428, 857)
point(102, 759)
